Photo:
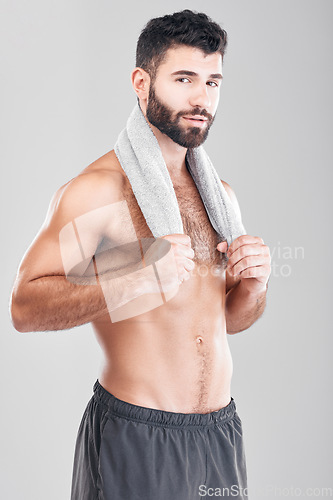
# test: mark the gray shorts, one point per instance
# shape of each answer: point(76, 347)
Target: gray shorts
point(128, 452)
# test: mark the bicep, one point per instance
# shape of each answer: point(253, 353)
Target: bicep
point(73, 229)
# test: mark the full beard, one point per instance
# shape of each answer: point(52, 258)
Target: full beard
point(159, 115)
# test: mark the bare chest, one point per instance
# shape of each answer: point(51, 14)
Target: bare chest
point(196, 223)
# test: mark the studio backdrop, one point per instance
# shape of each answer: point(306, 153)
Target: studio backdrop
point(65, 95)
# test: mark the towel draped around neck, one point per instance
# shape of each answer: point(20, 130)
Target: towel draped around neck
point(140, 156)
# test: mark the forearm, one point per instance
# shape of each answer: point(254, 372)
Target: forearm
point(106, 284)
point(243, 308)
point(54, 303)
point(58, 303)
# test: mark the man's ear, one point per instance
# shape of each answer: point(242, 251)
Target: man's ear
point(141, 82)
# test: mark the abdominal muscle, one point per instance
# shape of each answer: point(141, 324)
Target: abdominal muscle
point(175, 357)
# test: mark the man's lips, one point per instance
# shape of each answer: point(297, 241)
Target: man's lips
point(196, 117)
point(196, 120)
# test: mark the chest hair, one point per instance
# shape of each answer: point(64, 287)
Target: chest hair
point(196, 223)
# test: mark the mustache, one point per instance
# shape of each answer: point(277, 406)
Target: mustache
point(197, 113)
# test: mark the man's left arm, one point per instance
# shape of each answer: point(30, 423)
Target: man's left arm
point(247, 275)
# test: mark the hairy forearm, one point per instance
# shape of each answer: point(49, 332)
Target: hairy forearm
point(243, 308)
point(111, 282)
point(54, 303)
point(58, 303)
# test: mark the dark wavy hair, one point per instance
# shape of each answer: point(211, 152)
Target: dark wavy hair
point(186, 27)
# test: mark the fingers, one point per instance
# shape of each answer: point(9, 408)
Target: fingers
point(245, 239)
point(245, 263)
point(183, 253)
point(256, 272)
point(222, 246)
point(245, 246)
point(249, 257)
point(180, 239)
point(188, 264)
point(243, 252)
point(184, 266)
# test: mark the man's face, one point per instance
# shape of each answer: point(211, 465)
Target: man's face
point(174, 97)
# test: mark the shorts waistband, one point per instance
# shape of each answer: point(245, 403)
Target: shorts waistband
point(163, 418)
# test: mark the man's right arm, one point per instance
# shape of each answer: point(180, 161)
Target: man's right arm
point(62, 281)
point(43, 298)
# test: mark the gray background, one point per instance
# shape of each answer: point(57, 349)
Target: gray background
point(65, 96)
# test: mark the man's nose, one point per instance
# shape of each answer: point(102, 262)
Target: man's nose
point(200, 97)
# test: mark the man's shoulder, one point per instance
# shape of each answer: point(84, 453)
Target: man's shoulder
point(103, 177)
point(232, 196)
point(227, 187)
point(229, 191)
point(108, 164)
point(99, 184)
point(104, 172)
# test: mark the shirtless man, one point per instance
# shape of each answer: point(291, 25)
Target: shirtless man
point(162, 422)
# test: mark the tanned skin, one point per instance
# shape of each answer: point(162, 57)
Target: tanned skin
point(174, 357)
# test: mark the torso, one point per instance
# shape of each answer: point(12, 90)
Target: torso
point(175, 357)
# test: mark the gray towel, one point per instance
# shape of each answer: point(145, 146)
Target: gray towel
point(140, 156)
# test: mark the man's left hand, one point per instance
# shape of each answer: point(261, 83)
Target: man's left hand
point(250, 260)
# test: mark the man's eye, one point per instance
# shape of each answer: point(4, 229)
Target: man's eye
point(184, 78)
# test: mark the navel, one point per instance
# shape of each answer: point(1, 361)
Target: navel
point(199, 339)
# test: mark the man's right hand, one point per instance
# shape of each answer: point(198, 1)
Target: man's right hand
point(174, 265)
point(183, 253)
